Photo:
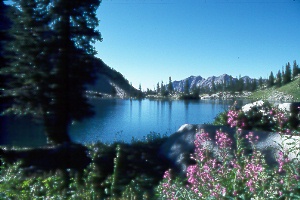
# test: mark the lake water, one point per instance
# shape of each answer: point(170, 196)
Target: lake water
point(119, 120)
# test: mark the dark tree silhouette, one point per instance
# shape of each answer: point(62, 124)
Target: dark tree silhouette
point(287, 77)
point(186, 86)
point(5, 23)
point(271, 80)
point(296, 69)
point(278, 79)
point(170, 86)
point(51, 59)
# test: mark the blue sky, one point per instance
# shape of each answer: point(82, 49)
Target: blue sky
point(150, 40)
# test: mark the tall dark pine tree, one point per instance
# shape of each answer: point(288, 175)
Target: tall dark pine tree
point(271, 80)
point(296, 69)
point(287, 77)
point(170, 86)
point(52, 57)
point(186, 88)
point(157, 88)
point(260, 82)
point(278, 79)
point(4, 38)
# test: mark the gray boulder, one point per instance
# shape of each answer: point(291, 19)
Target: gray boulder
point(180, 145)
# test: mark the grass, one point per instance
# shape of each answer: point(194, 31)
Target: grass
point(291, 88)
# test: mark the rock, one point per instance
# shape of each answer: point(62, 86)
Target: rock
point(180, 145)
point(293, 107)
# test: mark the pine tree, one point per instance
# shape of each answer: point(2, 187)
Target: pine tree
point(287, 77)
point(213, 85)
point(279, 79)
point(253, 85)
point(5, 23)
point(157, 89)
point(170, 86)
point(186, 87)
point(52, 61)
point(271, 80)
point(248, 85)
point(296, 69)
point(163, 89)
point(240, 85)
point(260, 82)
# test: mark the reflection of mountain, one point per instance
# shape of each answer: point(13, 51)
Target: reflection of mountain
point(202, 82)
point(110, 81)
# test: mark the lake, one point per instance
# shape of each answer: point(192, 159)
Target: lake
point(119, 120)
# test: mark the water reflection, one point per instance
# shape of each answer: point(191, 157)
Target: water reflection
point(117, 119)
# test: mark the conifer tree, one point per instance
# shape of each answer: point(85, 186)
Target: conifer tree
point(278, 79)
point(52, 61)
point(157, 88)
point(260, 82)
point(170, 86)
point(296, 69)
point(271, 80)
point(213, 85)
point(162, 89)
point(253, 85)
point(287, 77)
point(186, 89)
point(5, 23)
point(240, 85)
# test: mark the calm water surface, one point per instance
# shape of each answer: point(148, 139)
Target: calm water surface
point(119, 120)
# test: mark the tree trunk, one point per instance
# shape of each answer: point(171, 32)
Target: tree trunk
point(56, 129)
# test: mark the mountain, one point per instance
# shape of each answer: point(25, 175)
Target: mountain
point(207, 83)
point(111, 82)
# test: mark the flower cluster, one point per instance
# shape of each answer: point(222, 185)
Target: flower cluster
point(239, 176)
point(232, 118)
point(261, 115)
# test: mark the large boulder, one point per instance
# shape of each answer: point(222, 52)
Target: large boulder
point(180, 145)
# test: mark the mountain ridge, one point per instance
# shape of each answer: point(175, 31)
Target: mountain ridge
point(196, 81)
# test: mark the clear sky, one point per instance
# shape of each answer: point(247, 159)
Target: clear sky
point(150, 40)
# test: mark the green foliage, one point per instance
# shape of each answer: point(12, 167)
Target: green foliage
point(117, 171)
point(51, 61)
point(221, 119)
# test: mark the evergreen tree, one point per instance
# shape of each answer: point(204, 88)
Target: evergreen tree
point(157, 88)
point(260, 82)
point(52, 61)
point(271, 80)
point(231, 86)
point(195, 91)
point(287, 77)
point(248, 85)
point(170, 86)
point(163, 89)
point(253, 85)
point(296, 69)
point(279, 79)
point(5, 23)
point(240, 85)
point(213, 85)
point(186, 87)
